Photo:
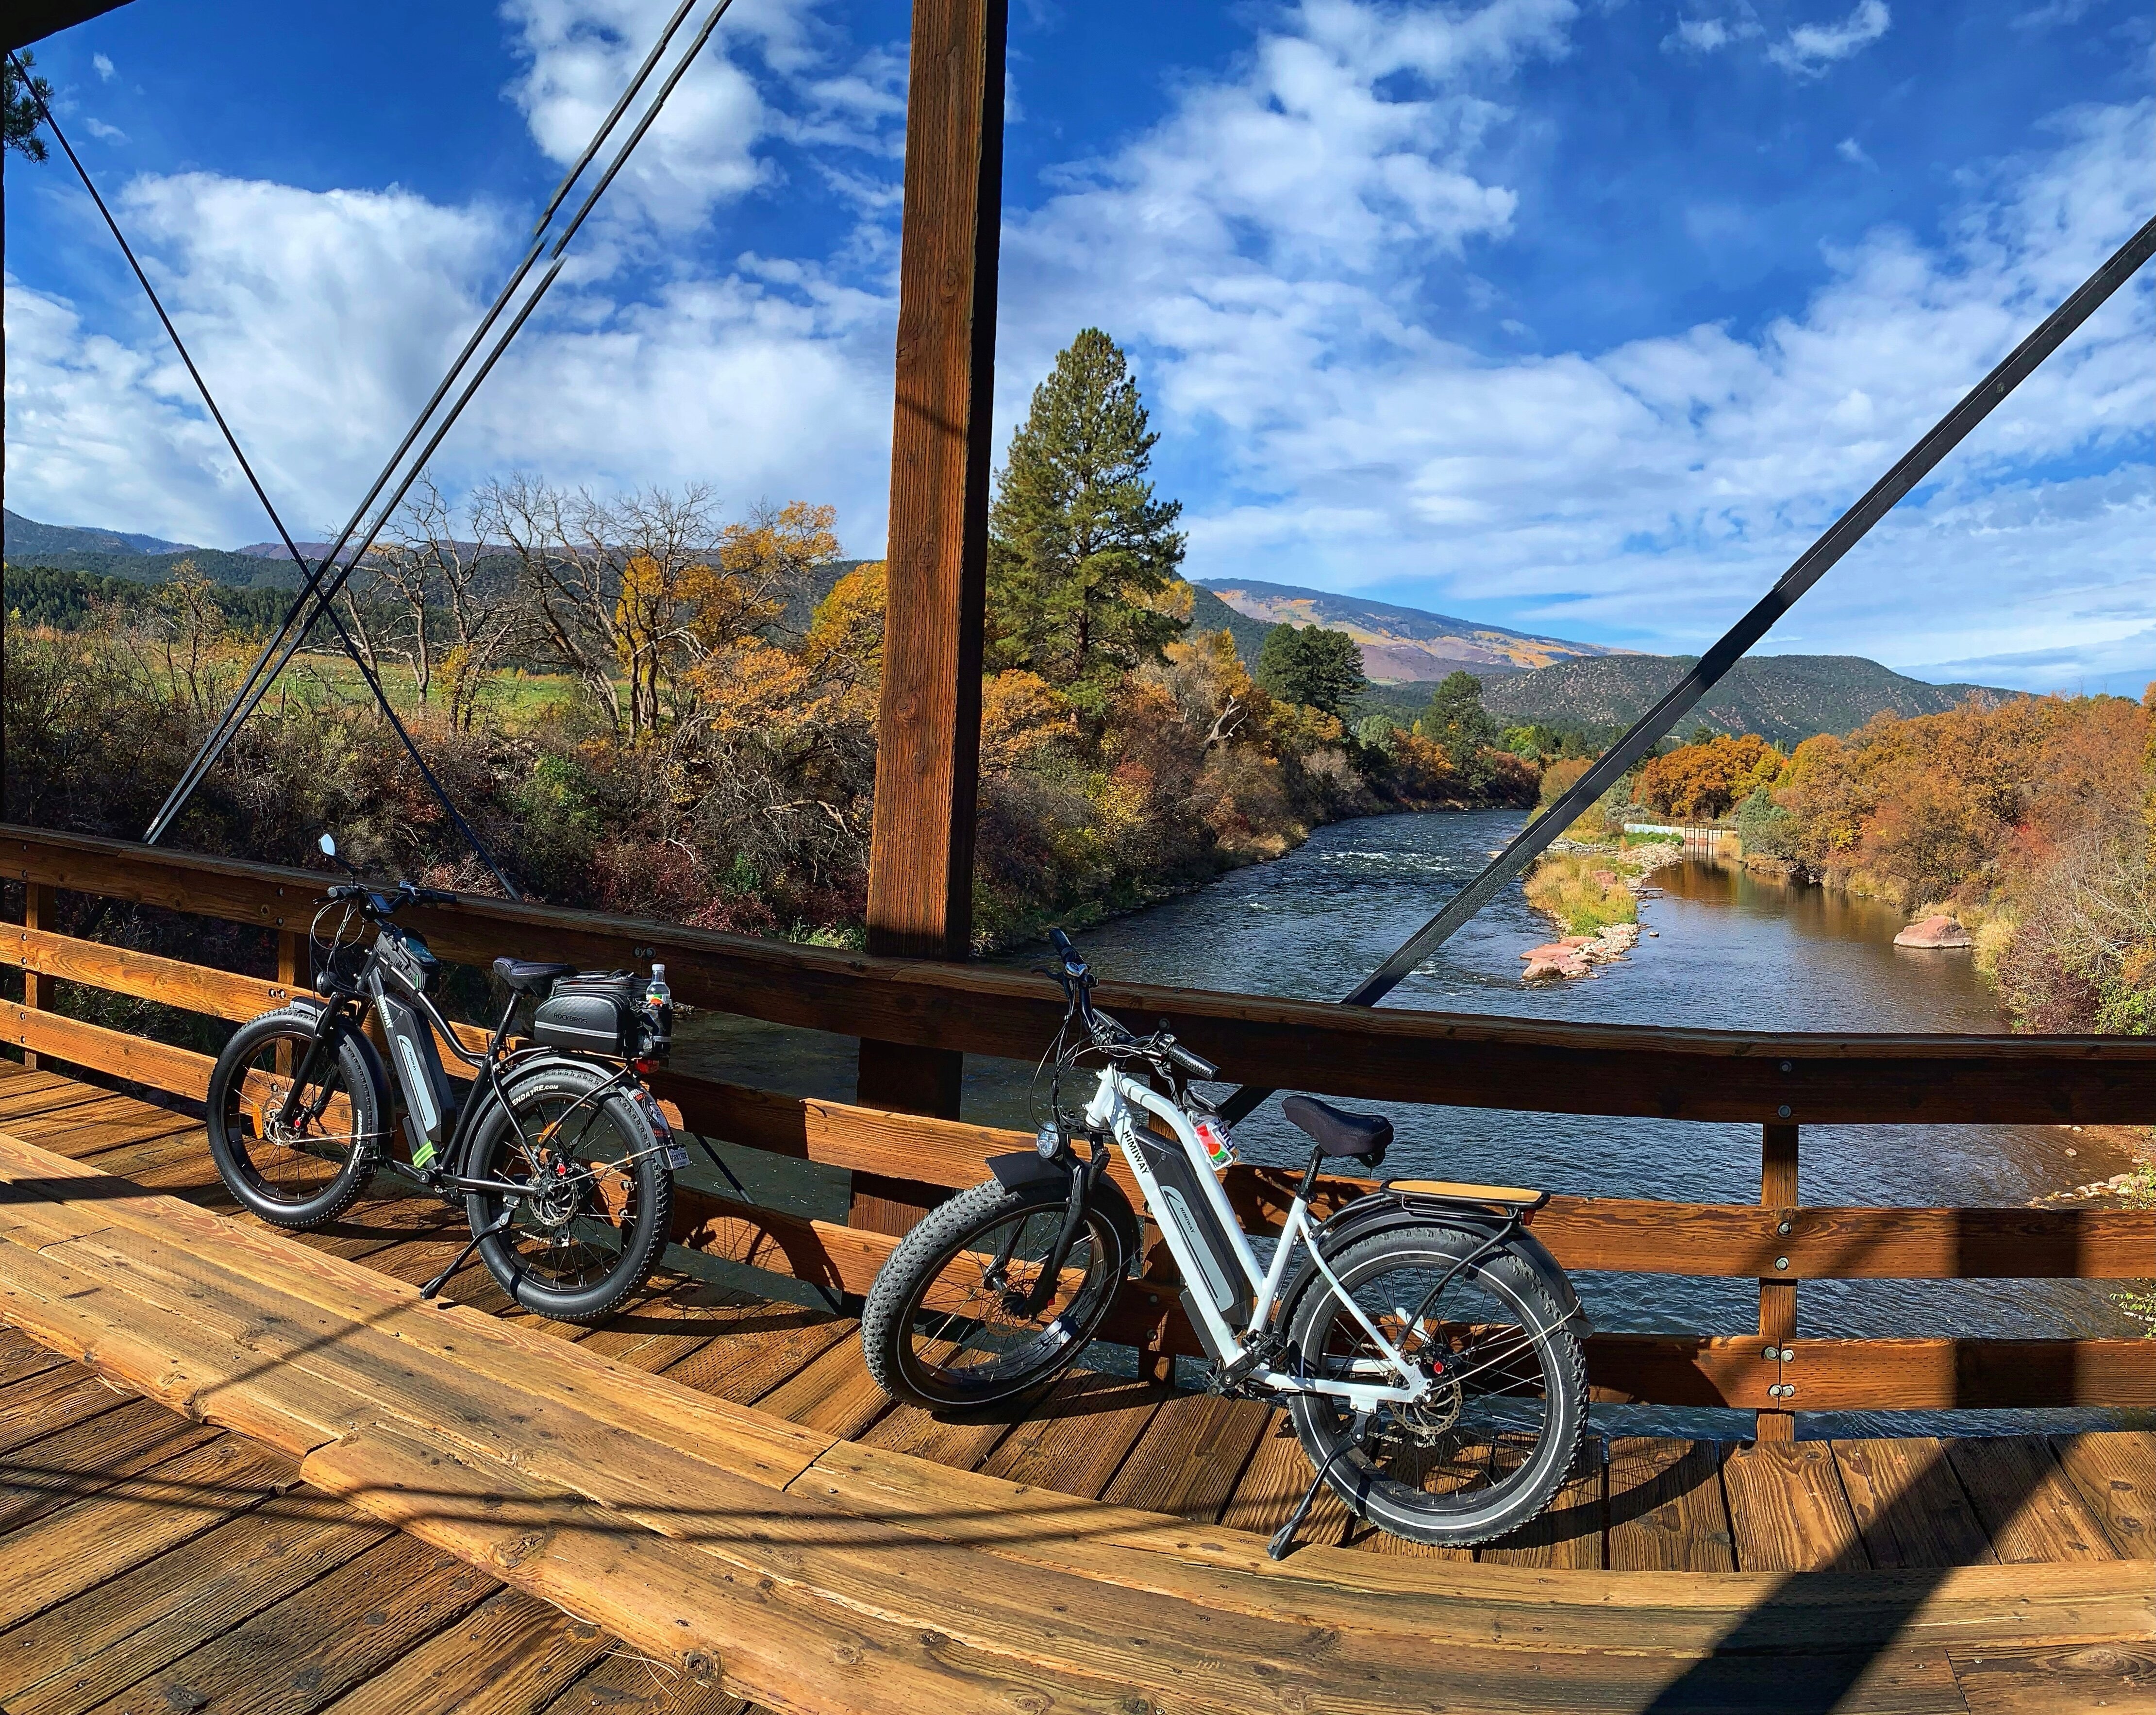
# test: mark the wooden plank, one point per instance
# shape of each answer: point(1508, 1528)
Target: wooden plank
point(1187, 1461)
point(1910, 1507)
point(38, 904)
point(21, 1358)
point(928, 721)
point(754, 1353)
point(1075, 1437)
point(508, 1653)
point(1385, 1054)
point(319, 1641)
point(179, 1069)
point(955, 1438)
point(74, 1657)
point(832, 1393)
point(82, 1545)
point(224, 1257)
point(625, 1684)
point(2114, 1679)
point(1641, 1236)
point(1569, 1532)
point(1871, 1375)
point(2031, 1511)
point(59, 1400)
point(1689, 1613)
point(2114, 1472)
point(1666, 1509)
point(171, 982)
point(1787, 1511)
point(89, 1456)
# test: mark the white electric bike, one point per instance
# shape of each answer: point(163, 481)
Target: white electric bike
point(1425, 1344)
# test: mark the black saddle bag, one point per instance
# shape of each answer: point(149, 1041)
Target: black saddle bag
point(593, 1012)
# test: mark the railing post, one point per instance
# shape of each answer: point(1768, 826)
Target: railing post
point(37, 988)
point(290, 962)
point(1777, 1298)
point(928, 726)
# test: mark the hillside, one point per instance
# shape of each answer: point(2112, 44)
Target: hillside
point(1400, 645)
point(112, 553)
point(1784, 699)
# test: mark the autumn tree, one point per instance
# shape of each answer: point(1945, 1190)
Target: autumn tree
point(1308, 665)
point(1702, 780)
point(629, 596)
point(1081, 554)
point(446, 606)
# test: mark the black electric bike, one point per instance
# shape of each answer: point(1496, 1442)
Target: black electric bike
point(1425, 1344)
point(562, 1158)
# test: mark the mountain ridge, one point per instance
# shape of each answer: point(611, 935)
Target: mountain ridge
point(1401, 644)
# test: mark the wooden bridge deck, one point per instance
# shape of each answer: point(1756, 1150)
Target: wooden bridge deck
point(382, 1506)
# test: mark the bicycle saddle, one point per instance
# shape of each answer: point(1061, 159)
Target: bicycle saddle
point(1361, 1136)
point(528, 974)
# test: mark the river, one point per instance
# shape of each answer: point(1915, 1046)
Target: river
point(1726, 950)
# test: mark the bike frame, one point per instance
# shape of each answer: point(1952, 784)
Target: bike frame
point(379, 983)
point(1118, 1109)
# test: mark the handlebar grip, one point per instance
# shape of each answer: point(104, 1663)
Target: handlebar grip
point(1194, 1063)
point(1061, 943)
point(436, 896)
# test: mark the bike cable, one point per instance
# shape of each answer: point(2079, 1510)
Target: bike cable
point(336, 566)
point(1652, 727)
point(350, 648)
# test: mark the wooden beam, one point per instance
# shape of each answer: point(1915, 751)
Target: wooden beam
point(928, 728)
point(37, 917)
point(1384, 1054)
point(1778, 1291)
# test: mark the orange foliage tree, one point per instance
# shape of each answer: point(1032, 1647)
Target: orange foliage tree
point(1697, 783)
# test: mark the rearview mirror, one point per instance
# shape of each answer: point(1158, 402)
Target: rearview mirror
point(329, 845)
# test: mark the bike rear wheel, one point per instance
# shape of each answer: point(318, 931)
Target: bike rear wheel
point(946, 1325)
point(600, 1194)
point(1485, 1450)
point(297, 1163)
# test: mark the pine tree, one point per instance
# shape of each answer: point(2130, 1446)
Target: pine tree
point(1078, 548)
point(1456, 719)
point(18, 108)
point(1321, 668)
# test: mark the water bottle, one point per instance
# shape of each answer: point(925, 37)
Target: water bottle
point(658, 1002)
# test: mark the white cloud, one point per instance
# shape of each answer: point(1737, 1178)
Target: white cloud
point(1645, 494)
point(1852, 152)
point(1711, 34)
point(105, 133)
point(1810, 48)
point(104, 66)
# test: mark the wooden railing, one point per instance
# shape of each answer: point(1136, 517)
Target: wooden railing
point(1778, 1081)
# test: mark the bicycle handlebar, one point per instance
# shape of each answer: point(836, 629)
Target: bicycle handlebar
point(1078, 983)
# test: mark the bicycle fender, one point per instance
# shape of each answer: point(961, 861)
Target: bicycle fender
point(1383, 1211)
point(378, 1073)
point(1026, 1167)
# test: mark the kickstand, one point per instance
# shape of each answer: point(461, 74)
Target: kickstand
point(1284, 1537)
point(441, 1280)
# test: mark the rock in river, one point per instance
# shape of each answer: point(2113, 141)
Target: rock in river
point(1934, 932)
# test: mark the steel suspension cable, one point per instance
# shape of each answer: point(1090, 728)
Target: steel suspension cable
point(231, 440)
point(298, 620)
point(1652, 727)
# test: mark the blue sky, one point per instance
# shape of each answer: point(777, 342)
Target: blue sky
point(1581, 318)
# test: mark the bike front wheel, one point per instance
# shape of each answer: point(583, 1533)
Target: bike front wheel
point(595, 1193)
point(948, 1324)
point(1486, 1447)
point(297, 1156)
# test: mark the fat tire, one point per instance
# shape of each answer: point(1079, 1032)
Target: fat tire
point(645, 1241)
point(1384, 1500)
point(363, 1089)
point(887, 1315)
